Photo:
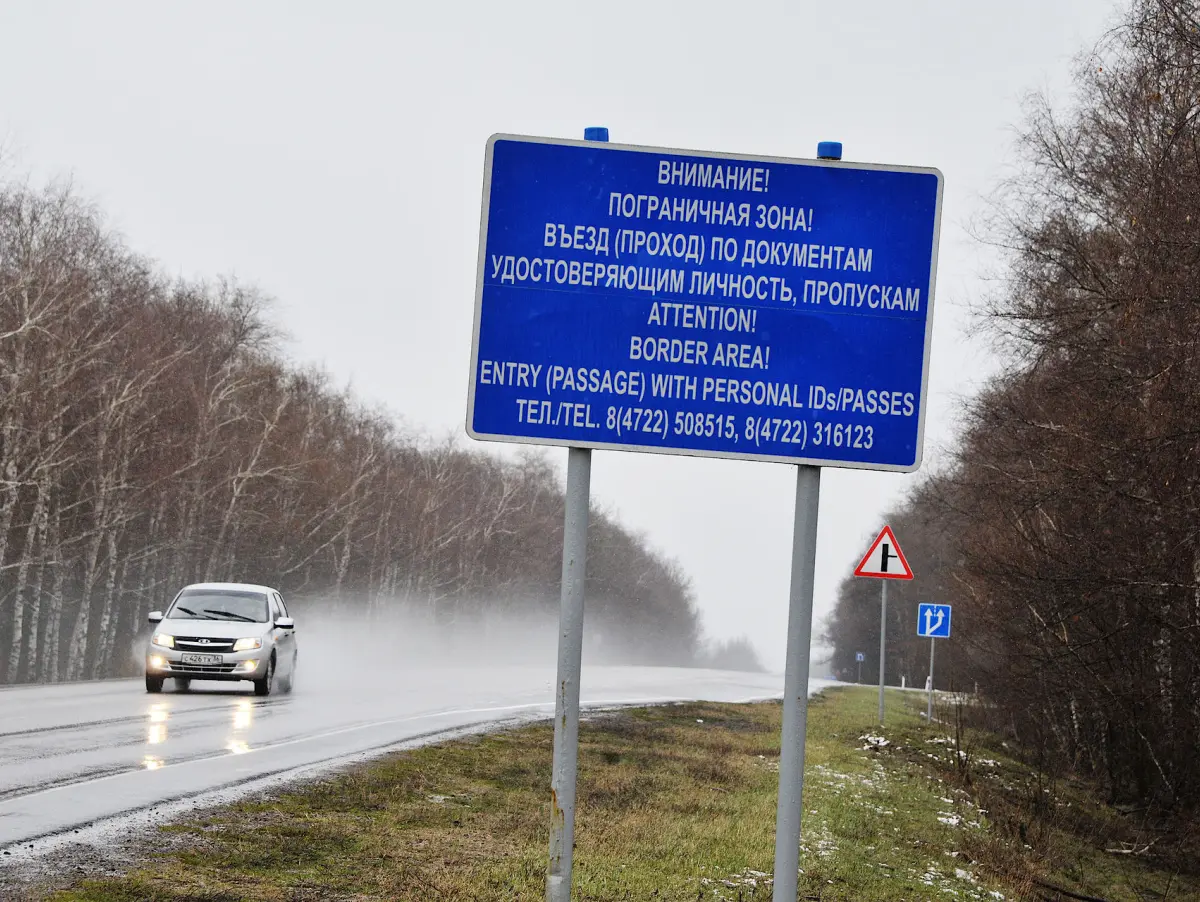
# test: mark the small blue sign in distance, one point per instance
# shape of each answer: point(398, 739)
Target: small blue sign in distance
point(933, 621)
point(649, 299)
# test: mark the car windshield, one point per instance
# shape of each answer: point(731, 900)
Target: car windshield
point(222, 604)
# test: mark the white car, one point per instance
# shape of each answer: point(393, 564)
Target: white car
point(223, 631)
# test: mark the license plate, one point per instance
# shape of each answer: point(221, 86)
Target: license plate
point(201, 659)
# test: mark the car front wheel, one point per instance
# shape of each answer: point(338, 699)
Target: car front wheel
point(287, 683)
point(154, 684)
point(263, 686)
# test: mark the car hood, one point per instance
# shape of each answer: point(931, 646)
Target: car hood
point(212, 629)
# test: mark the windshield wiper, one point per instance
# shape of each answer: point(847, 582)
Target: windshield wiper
point(190, 611)
point(231, 614)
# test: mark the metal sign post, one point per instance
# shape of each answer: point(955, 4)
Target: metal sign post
point(884, 560)
point(564, 773)
point(707, 304)
point(566, 699)
point(882, 643)
point(933, 621)
point(795, 685)
point(929, 705)
point(790, 801)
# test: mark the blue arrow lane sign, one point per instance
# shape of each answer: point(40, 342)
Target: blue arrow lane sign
point(933, 621)
point(650, 299)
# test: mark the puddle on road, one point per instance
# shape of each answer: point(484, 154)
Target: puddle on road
point(243, 715)
point(156, 731)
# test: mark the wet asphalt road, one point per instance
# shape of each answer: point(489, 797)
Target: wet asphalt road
point(78, 754)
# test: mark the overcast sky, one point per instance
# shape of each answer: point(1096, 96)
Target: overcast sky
point(331, 153)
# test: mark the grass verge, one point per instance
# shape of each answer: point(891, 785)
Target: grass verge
point(676, 803)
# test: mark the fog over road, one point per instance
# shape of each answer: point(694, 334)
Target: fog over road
point(73, 755)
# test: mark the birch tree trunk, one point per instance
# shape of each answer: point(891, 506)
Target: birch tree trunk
point(29, 552)
point(34, 649)
point(51, 648)
point(78, 645)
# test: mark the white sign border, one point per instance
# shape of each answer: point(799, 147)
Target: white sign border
point(700, 452)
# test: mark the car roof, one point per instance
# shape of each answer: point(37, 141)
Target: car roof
point(235, 587)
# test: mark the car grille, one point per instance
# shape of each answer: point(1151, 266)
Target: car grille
point(178, 667)
point(203, 644)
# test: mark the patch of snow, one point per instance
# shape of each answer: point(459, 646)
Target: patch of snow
point(874, 742)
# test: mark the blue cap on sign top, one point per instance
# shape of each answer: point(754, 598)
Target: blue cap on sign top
point(829, 150)
point(595, 133)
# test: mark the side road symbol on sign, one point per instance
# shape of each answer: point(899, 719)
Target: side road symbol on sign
point(933, 621)
point(884, 559)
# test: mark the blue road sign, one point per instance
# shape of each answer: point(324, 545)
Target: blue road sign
point(933, 621)
point(859, 656)
point(649, 299)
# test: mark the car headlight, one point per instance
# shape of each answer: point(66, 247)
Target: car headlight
point(164, 640)
point(247, 644)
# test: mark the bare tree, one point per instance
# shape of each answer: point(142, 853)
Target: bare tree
point(152, 435)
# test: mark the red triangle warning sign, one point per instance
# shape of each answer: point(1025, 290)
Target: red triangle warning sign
point(884, 559)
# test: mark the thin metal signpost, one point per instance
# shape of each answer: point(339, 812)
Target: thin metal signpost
point(717, 305)
point(883, 561)
point(795, 685)
point(929, 705)
point(566, 698)
point(933, 621)
point(789, 803)
point(565, 769)
point(882, 643)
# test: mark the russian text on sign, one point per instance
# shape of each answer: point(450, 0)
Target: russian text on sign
point(668, 278)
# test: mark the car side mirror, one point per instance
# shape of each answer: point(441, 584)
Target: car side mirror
point(155, 617)
point(285, 623)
